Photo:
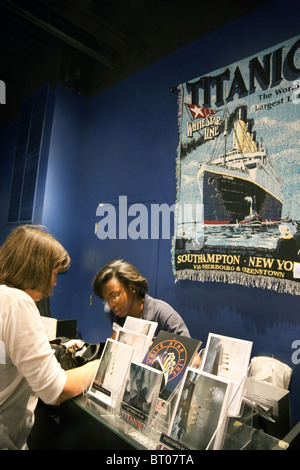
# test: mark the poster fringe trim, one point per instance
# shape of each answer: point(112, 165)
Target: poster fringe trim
point(282, 286)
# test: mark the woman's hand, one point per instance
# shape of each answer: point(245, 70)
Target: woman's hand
point(74, 342)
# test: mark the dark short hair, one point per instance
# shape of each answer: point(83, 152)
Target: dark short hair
point(124, 272)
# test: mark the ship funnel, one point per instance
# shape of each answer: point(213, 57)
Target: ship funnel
point(241, 136)
point(249, 200)
point(242, 113)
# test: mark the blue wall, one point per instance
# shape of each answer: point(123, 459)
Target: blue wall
point(63, 185)
point(123, 142)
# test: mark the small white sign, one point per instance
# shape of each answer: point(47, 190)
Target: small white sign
point(296, 270)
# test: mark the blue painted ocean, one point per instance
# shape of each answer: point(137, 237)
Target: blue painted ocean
point(236, 236)
point(264, 236)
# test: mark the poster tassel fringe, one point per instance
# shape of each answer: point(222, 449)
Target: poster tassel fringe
point(282, 286)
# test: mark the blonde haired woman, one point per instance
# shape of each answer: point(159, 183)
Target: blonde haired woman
point(30, 260)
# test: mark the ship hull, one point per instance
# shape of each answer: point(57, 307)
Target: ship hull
point(225, 196)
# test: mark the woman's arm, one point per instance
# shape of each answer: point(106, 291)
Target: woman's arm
point(78, 380)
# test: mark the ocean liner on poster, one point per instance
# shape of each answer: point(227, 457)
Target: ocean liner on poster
point(240, 185)
point(238, 173)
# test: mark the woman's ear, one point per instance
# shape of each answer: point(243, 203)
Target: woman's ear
point(132, 289)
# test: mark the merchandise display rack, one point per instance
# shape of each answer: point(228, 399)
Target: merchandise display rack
point(212, 404)
point(239, 433)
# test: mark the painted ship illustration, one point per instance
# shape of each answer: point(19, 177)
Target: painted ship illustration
point(241, 186)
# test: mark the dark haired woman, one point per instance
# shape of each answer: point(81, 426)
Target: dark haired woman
point(124, 291)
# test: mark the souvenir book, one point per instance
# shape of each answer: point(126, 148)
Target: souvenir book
point(171, 354)
point(200, 415)
point(137, 340)
point(228, 357)
point(144, 327)
point(112, 371)
point(140, 396)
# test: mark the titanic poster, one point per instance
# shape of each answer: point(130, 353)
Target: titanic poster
point(237, 217)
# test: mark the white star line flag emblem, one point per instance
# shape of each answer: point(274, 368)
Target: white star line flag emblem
point(198, 111)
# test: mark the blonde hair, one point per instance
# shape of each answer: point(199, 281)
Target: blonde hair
point(28, 257)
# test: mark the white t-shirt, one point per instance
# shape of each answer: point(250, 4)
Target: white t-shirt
point(28, 367)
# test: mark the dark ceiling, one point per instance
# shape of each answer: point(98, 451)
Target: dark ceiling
point(88, 45)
